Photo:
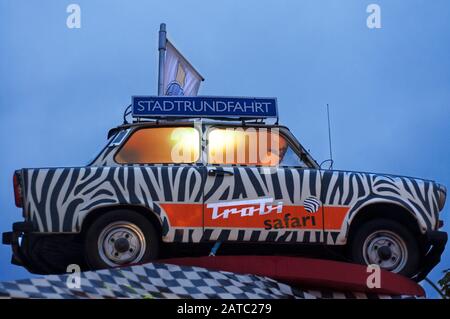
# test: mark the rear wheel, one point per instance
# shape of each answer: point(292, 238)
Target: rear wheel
point(120, 238)
point(388, 244)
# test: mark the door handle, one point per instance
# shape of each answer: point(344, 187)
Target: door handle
point(216, 172)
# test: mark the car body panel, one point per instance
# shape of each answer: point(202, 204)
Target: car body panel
point(58, 200)
point(295, 202)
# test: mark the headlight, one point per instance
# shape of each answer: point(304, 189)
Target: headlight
point(442, 190)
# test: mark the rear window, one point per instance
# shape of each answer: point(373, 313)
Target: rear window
point(161, 145)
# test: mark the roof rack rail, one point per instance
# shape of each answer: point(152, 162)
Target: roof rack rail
point(244, 121)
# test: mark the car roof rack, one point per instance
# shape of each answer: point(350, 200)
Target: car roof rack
point(244, 121)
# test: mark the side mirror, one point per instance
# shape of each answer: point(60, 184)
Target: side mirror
point(325, 161)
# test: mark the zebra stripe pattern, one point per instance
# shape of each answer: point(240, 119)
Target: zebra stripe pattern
point(58, 200)
point(311, 205)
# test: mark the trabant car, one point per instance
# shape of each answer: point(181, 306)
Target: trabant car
point(198, 180)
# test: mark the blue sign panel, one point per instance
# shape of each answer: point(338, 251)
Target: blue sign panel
point(204, 106)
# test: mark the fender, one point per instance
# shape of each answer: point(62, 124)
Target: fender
point(58, 199)
point(356, 210)
point(152, 209)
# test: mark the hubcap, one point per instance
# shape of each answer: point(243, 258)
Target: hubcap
point(121, 243)
point(386, 249)
point(384, 252)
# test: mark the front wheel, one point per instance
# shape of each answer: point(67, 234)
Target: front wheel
point(388, 244)
point(120, 238)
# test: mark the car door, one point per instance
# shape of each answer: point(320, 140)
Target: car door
point(164, 172)
point(258, 199)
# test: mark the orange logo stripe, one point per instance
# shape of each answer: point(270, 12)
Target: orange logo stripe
point(184, 215)
point(191, 215)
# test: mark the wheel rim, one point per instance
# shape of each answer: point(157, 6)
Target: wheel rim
point(386, 249)
point(121, 243)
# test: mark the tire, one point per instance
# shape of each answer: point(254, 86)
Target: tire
point(386, 243)
point(119, 238)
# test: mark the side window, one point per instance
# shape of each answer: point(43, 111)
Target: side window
point(250, 146)
point(160, 145)
point(120, 137)
point(290, 158)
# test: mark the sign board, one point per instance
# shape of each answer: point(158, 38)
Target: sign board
point(204, 106)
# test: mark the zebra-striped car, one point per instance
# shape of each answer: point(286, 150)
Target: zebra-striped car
point(208, 181)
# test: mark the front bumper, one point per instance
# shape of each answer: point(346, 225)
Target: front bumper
point(437, 240)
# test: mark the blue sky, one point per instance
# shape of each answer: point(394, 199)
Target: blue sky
point(61, 89)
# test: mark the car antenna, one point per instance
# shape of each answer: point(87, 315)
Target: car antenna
point(329, 136)
point(329, 141)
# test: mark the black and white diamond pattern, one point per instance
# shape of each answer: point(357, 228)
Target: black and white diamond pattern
point(155, 280)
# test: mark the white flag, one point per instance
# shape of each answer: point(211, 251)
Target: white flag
point(180, 77)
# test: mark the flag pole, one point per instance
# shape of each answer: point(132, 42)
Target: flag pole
point(162, 51)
